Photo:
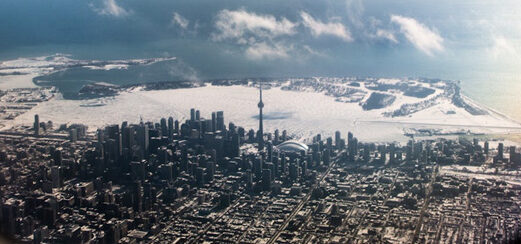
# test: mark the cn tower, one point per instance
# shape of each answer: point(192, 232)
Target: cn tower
point(260, 134)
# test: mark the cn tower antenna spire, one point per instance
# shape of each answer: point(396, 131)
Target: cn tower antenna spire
point(260, 133)
point(260, 92)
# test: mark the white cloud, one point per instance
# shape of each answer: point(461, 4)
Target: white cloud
point(313, 52)
point(180, 69)
point(386, 34)
point(423, 38)
point(237, 24)
point(355, 12)
point(263, 50)
point(266, 37)
point(502, 48)
point(180, 21)
point(259, 36)
point(319, 28)
point(110, 7)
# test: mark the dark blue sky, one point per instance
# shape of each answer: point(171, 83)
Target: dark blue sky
point(236, 38)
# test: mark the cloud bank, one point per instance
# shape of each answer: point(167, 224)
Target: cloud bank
point(423, 38)
point(258, 34)
point(265, 36)
point(180, 21)
point(237, 24)
point(386, 34)
point(319, 28)
point(503, 48)
point(111, 8)
point(263, 50)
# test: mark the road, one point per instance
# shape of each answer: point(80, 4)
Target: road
point(304, 200)
point(425, 205)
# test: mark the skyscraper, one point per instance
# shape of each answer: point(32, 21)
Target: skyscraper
point(261, 129)
point(176, 126)
point(219, 121)
point(500, 150)
point(143, 139)
point(170, 127)
point(164, 127)
point(36, 125)
point(112, 132)
point(214, 122)
point(192, 114)
point(338, 137)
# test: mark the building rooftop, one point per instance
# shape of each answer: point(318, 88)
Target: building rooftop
point(292, 146)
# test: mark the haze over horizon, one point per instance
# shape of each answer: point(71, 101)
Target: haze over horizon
point(473, 41)
point(236, 38)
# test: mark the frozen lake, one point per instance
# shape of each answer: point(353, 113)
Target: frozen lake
point(302, 114)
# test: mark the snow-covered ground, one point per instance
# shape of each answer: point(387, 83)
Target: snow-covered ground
point(302, 106)
point(17, 81)
point(303, 114)
point(19, 73)
point(482, 173)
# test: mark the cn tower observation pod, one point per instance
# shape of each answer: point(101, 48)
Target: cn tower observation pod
point(292, 146)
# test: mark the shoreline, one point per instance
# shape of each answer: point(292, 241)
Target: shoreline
point(413, 120)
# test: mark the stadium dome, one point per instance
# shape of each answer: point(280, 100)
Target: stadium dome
point(292, 146)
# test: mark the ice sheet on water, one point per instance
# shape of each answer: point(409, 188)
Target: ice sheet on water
point(310, 113)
